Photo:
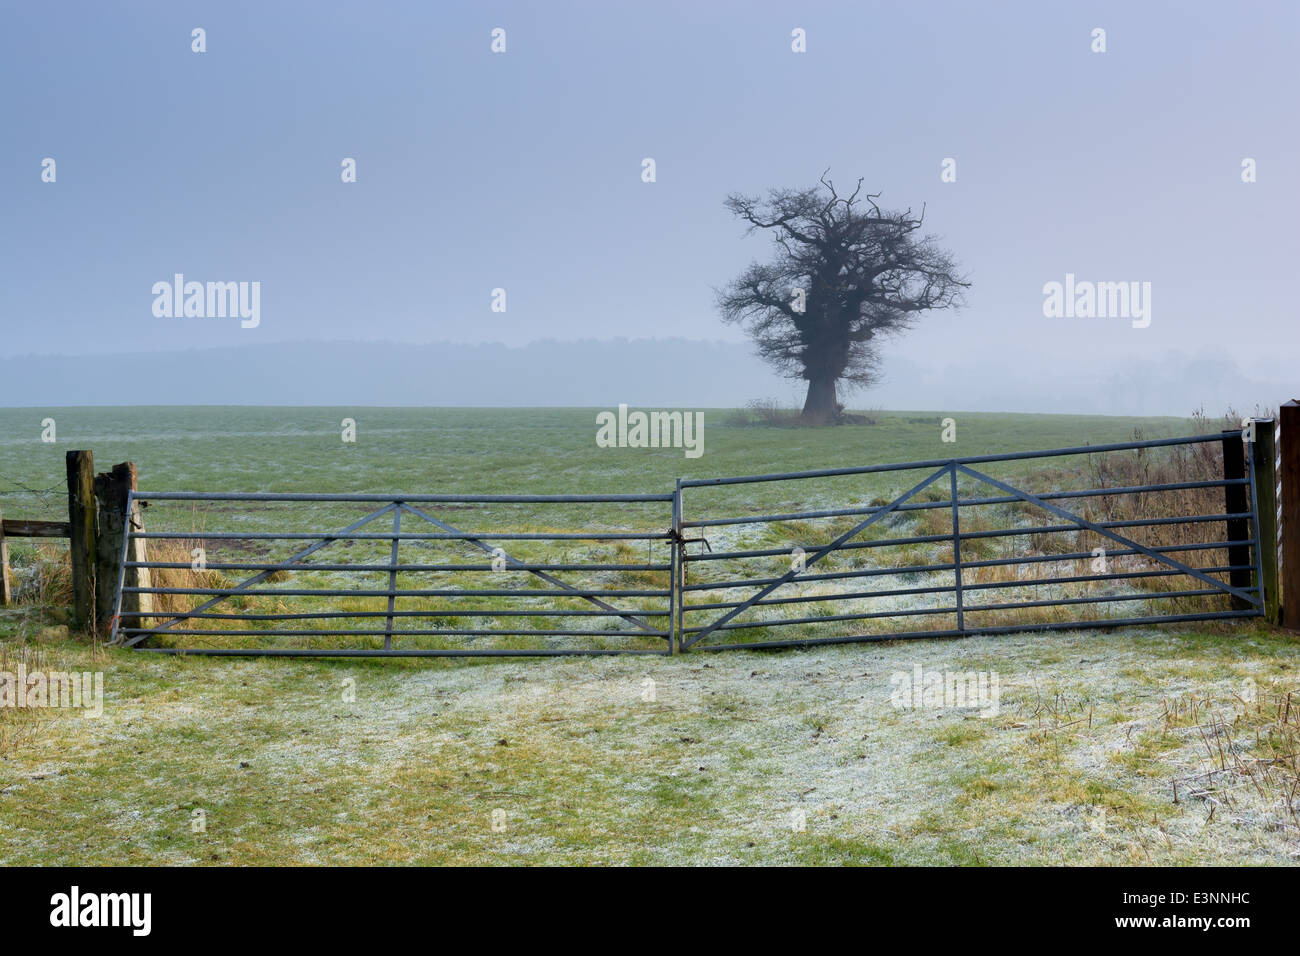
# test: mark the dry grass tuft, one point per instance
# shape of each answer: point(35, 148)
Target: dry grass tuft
point(1252, 758)
point(1176, 463)
point(177, 550)
point(42, 574)
point(20, 727)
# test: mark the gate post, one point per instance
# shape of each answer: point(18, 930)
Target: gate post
point(1235, 503)
point(111, 494)
point(112, 489)
point(1289, 525)
point(1264, 457)
point(83, 535)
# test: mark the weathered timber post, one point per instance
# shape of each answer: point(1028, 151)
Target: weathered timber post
point(108, 557)
point(1265, 457)
point(6, 595)
point(112, 489)
point(83, 528)
point(1235, 502)
point(1288, 474)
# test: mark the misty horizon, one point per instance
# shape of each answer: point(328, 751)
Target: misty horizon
point(603, 373)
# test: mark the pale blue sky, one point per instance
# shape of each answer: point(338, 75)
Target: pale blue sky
point(522, 170)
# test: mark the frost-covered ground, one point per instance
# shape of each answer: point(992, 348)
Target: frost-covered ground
point(720, 758)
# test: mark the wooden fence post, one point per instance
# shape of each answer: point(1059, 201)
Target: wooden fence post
point(112, 488)
point(6, 595)
point(1265, 456)
point(108, 557)
point(84, 532)
point(1236, 501)
point(1289, 524)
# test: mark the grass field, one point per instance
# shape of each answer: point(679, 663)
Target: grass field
point(485, 450)
point(1132, 746)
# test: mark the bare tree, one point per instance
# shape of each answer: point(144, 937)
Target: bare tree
point(846, 275)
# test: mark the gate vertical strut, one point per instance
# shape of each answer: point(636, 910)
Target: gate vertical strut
point(392, 577)
point(677, 575)
point(956, 548)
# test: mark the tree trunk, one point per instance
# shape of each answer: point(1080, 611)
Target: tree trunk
point(820, 406)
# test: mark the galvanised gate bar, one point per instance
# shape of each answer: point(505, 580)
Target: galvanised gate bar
point(938, 548)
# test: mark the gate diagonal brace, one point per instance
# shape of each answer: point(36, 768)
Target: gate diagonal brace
point(248, 582)
point(511, 561)
point(792, 574)
point(1106, 532)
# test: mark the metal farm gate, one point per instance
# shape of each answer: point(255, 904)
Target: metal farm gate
point(507, 586)
point(782, 560)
